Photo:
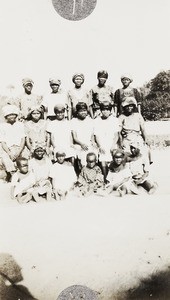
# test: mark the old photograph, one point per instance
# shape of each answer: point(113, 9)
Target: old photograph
point(84, 150)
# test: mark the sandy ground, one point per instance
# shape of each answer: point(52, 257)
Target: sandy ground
point(106, 244)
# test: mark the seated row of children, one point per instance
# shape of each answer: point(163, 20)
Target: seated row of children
point(39, 179)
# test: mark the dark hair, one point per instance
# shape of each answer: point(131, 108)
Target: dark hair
point(56, 108)
point(91, 154)
point(80, 106)
point(106, 105)
point(19, 159)
point(41, 111)
point(103, 74)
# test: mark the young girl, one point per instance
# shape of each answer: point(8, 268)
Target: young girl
point(91, 177)
point(62, 176)
point(27, 99)
point(119, 175)
point(60, 133)
point(124, 92)
point(40, 165)
point(106, 135)
point(55, 97)
point(35, 130)
point(22, 184)
point(101, 92)
point(82, 130)
point(132, 126)
point(78, 94)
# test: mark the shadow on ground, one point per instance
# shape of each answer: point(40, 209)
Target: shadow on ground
point(155, 287)
point(10, 275)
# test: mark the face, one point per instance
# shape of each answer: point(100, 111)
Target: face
point(125, 82)
point(129, 108)
point(102, 80)
point(91, 161)
point(82, 114)
point(36, 115)
point(78, 81)
point(28, 87)
point(105, 113)
point(60, 159)
point(60, 114)
point(23, 167)
point(55, 88)
point(39, 153)
point(118, 159)
point(135, 151)
point(11, 118)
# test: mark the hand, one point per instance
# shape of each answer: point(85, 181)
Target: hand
point(84, 147)
point(101, 150)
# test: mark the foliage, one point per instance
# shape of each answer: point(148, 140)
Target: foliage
point(156, 97)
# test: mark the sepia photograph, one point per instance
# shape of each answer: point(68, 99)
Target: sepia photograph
point(84, 150)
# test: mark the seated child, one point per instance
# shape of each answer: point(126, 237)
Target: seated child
point(139, 166)
point(91, 177)
point(40, 165)
point(22, 182)
point(119, 174)
point(62, 175)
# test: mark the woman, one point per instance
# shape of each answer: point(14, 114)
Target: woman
point(78, 94)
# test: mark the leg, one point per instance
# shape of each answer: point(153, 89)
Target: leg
point(24, 198)
point(122, 190)
point(104, 168)
point(36, 196)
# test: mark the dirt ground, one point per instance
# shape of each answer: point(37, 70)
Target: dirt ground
point(107, 244)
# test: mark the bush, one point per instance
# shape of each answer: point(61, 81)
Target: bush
point(156, 98)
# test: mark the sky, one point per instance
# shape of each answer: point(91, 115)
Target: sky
point(123, 36)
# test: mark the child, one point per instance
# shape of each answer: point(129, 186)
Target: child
point(35, 130)
point(23, 182)
point(132, 125)
point(57, 96)
point(101, 92)
point(91, 177)
point(82, 130)
point(62, 175)
point(12, 137)
point(106, 134)
point(139, 167)
point(60, 133)
point(124, 92)
point(40, 165)
point(119, 174)
point(27, 99)
point(78, 94)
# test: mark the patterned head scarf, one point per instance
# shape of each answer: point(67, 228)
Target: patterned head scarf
point(78, 75)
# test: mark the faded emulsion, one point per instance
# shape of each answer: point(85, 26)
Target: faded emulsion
point(74, 10)
point(78, 292)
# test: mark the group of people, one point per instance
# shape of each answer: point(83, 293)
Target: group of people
point(80, 142)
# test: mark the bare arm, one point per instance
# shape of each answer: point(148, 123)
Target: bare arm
point(78, 142)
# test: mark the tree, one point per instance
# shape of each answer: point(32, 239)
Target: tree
point(156, 97)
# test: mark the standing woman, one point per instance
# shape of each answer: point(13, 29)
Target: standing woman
point(126, 91)
point(78, 94)
point(101, 92)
